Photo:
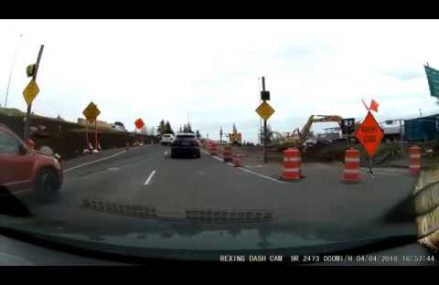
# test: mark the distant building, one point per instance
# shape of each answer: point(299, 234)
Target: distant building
point(393, 130)
point(422, 129)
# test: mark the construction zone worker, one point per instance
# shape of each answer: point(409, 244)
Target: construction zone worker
point(31, 144)
point(32, 136)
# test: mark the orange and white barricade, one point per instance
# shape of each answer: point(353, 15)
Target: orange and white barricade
point(415, 159)
point(236, 160)
point(213, 149)
point(291, 164)
point(227, 153)
point(351, 165)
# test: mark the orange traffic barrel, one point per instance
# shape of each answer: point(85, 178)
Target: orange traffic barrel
point(213, 150)
point(236, 160)
point(291, 164)
point(415, 159)
point(227, 153)
point(351, 165)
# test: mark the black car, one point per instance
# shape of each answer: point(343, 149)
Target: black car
point(185, 144)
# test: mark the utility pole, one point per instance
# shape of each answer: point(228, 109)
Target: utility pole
point(221, 135)
point(265, 126)
point(29, 106)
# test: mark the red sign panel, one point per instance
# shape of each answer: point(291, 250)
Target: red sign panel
point(369, 134)
point(139, 123)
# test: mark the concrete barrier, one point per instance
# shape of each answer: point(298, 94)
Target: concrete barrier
point(431, 241)
point(426, 178)
point(426, 194)
point(68, 138)
point(427, 199)
point(428, 223)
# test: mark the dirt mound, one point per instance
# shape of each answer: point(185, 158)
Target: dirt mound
point(324, 152)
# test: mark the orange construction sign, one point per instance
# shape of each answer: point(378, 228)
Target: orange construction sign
point(139, 123)
point(369, 134)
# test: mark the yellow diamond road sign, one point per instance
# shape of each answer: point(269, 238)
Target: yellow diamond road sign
point(265, 110)
point(31, 91)
point(91, 112)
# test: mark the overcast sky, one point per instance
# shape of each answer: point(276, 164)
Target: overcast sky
point(209, 70)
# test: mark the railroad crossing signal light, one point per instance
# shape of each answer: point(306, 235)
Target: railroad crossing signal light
point(30, 70)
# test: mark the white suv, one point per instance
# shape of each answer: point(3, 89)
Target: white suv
point(167, 139)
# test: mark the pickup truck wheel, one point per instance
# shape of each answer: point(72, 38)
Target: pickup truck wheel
point(47, 186)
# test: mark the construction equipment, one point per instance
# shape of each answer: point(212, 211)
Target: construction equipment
point(235, 138)
point(298, 137)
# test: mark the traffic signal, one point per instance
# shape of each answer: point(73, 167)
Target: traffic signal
point(265, 95)
point(30, 70)
point(348, 126)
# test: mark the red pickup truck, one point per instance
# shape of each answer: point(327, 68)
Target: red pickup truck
point(23, 169)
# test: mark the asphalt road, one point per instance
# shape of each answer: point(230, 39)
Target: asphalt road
point(320, 207)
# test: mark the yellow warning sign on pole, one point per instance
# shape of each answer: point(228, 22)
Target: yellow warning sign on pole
point(31, 91)
point(265, 110)
point(91, 112)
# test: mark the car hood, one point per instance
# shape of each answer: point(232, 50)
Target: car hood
point(186, 242)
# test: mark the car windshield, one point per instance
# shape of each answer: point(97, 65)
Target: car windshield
point(238, 135)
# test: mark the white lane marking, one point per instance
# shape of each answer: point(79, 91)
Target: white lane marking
point(94, 161)
point(150, 177)
point(248, 171)
point(113, 169)
point(254, 166)
point(218, 158)
point(386, 173)
point(260, 175)
point(390, 171)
